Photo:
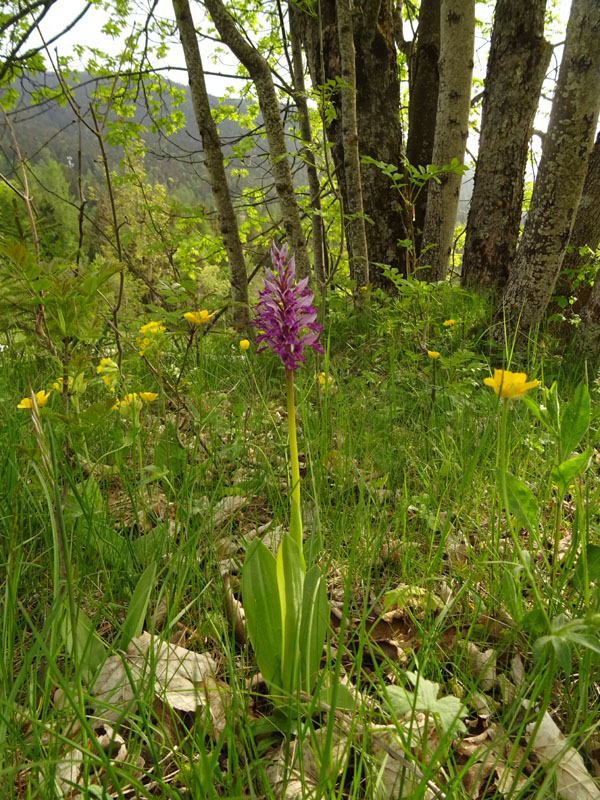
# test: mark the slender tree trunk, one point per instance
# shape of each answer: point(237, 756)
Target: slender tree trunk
point(260, 73)
point(353, 210)
point(517, 64)
point(424, 90)
point(214, 164)
point(457, 38)
point(563, 165)
point(318, 231)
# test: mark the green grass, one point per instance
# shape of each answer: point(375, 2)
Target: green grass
point(400, 491)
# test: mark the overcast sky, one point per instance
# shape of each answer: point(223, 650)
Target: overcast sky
point(89, 32)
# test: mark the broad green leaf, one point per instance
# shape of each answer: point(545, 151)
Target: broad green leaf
point(260, 596)
point(133, 624)
point(522, 503)
point(575, 421)
point(86, 645)
point(313, 627)
point(593, 566)
point(447, 710)
point(290, 580)
point(572, 468)
point(541, 414)
point(511, 595)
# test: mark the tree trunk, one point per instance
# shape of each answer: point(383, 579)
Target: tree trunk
point(585, 234)
point(378, 120)
point(353, 209)
point(260, 73)
point(424, 89)
point(518, 60)
point(214, 164)
point(318, 231)
point(457, 38)
point(563, 165)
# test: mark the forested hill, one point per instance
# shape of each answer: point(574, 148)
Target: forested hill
point(49, 130)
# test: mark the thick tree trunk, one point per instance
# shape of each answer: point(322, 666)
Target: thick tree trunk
point(378, 120)
point(353, 211)
point(260, 73)
point(457, 38)
point(585, 234)
point(563, 165)
point(214, 165)
point(318, 231)
point(424, 89)
point(518, 60)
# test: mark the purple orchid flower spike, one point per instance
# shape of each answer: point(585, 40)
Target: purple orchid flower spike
point(285, 314)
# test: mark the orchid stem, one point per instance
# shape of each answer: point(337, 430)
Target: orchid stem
point(296, 516)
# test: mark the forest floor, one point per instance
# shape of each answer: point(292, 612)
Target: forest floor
point(457, 533)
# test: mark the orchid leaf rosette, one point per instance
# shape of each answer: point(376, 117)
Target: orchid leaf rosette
point(286, 605)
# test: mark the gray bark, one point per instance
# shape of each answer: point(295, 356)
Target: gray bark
point(563, 165)
point(424, 89)
point(518, 60)
point(318, 232)
point(378, 119)
point(214, 165)
point(457, 38)
point(585, 234)
point(353, 210)
point(260, 73)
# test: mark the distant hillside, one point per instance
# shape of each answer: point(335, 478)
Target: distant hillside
point(176, 160)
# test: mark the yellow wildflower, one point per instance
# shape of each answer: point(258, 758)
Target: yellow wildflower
point(109, 372)
point(433, 354)
point(244, 344)
point(198, 317)
point(449, 323)
point(152, 328)
point(148, 397)
point(41, 398)
point(510, 385)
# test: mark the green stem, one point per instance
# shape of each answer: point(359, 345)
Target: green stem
point(503, 466)
point(296, 516)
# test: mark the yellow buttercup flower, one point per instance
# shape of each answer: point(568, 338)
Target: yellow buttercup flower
point(198, 317)
point(41, 398)
point(244, 344)
point(510, 385)
point(433, 354)
point(449, 323)
point(148, 397)
point(151, 334)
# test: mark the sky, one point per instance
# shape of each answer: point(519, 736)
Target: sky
point(89, 32)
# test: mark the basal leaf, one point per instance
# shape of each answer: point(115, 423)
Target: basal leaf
point(575, 421)
point(260, 596)
point(313, 627)
point(522, 503)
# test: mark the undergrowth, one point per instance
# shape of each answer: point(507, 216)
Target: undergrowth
point(459, 633)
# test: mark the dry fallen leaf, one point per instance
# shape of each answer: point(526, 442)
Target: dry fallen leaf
point(177, 675)
point(573, 780)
